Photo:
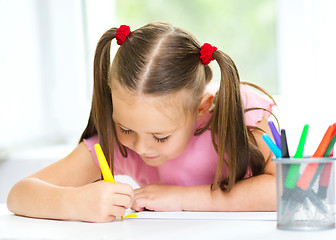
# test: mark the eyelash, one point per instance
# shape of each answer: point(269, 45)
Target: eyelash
point(125, 131)
point(160, 140)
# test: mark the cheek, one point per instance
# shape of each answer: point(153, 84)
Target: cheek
point(175, 147)
point(124, 139)
point(182, 141)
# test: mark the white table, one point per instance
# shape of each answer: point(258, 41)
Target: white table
point(16, 227)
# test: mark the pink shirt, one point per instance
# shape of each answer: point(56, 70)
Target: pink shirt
point(196, 165)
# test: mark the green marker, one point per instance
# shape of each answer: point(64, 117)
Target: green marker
point(293, 171)
point(330, 146)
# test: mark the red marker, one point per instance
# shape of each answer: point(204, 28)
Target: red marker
point(311, 168)
point(326, 172)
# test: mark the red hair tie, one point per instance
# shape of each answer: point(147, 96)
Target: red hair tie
point(122, 32)
point(206, 53)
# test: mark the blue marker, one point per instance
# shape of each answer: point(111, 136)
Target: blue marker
point(274, 148)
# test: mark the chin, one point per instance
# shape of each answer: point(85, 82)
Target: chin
point(154, 163)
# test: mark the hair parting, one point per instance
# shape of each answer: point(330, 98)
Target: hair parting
point(157, 60)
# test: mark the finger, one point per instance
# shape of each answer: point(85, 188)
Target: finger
point(147, 204)
point(137, 207)
point(144, 204)
point(122, 188)
point(123, 200)
point(116, 211)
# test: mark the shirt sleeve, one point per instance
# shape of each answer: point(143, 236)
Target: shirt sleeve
point(118, 166)
point(90, 142)
point(252, 99)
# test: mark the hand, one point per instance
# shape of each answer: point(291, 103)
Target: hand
point(158, 198)
point(103, 201)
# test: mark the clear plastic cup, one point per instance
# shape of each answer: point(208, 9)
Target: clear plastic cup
point(305, 193)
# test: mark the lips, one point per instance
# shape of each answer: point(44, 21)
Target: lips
point(151, 158)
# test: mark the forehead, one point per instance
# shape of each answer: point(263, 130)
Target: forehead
point(148, 113)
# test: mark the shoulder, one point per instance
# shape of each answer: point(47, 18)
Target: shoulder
point(256, 105)
point(90, 142)
point(253, 97)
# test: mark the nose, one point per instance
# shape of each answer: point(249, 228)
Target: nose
point(141, 145)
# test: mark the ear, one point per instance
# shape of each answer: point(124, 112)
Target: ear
point(205, 105)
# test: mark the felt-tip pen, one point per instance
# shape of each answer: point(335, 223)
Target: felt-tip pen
point(272, 146)
point(308, 174)
point(294, 168)
point(107, 175)
point(275, 134)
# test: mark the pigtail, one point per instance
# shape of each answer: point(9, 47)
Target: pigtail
point(90, 129)
point(228, 130)
point(100, 120)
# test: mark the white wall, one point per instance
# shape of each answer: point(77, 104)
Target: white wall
point(306, 48)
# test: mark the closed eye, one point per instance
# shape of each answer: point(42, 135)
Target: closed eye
point(161, 140)
point(128, 131)
point(125, 131)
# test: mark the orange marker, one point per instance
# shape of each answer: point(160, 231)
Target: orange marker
point(311, 168)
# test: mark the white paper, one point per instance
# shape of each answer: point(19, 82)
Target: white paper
point(184, 215)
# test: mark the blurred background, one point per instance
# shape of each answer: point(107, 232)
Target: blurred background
point(47, 48)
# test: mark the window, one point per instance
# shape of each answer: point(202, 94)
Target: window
point(44, 88)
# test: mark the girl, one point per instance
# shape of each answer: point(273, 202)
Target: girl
point(153, 117)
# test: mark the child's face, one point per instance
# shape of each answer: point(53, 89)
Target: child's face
point(156, 134)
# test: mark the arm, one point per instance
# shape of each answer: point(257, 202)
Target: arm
point(253, 194)
point(66, 190)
